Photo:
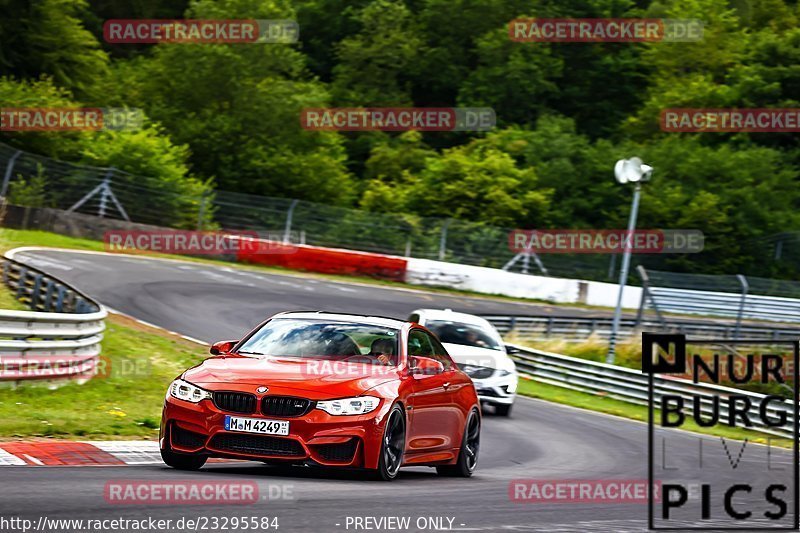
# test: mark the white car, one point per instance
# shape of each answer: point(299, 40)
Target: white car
point(477, 348)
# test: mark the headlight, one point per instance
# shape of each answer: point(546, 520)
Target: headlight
point(477, 372)
point(512, 387)
point(183, 390)
point(350, 406)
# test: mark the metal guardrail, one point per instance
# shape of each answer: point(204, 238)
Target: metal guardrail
point(695, 294)
point(59, 339)
point(581, 328)
point(631, 386)
point(748, 306)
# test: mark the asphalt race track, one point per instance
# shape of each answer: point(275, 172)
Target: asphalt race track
point(216, 302)
point(540, 441)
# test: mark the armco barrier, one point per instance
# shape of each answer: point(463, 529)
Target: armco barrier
point(326, 260)
point(580, 328)
point(631, 386)
point(58, 340)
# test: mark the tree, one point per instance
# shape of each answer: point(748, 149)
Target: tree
point(47, 37)
point(375, 65)
point(238, 109)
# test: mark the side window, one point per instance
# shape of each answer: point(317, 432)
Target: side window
point(425, 345)
point(419, 343)
point(440, 354)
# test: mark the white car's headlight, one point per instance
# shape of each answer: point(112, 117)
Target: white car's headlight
point(349, 406)
point(512, 387)
point(183, 390)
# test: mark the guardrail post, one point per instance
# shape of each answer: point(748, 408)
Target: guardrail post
point(643, 303)
point(443, 239)
point(742, 301)
point(648, 294)
point(37, 287)
point(48, 295)
point(23, 272)
point(7, 176)
point(201, 212)
point(62, 294)
point(287, 230)
point(512, 324)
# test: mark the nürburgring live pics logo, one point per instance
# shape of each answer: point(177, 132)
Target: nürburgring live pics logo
point(716, 483)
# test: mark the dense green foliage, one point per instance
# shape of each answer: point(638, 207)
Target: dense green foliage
point(227, 116)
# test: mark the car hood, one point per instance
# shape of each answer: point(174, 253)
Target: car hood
point(317, 378)
point(473, 355)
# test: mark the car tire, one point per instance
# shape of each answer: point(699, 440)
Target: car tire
point(468, 453)
point(501, 409)
point(181, 461)
point(393, 443)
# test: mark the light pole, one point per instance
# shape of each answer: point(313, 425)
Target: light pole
point(627, 171)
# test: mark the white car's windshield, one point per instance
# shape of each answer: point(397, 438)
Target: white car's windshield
point(464, 334)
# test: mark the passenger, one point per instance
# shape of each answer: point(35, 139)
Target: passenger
point(383, 350)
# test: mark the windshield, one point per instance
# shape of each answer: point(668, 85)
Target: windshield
point(319, 339)
point(465, 334)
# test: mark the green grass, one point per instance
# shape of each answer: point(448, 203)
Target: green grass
point(124, 401)
point(7, 300)
point(628, 351)
point(612, 406)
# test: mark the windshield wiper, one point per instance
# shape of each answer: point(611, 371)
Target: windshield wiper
point(251, 353)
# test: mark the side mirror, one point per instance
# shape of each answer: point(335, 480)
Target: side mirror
point(424, 366)
point(222, 347)
point(511, 350)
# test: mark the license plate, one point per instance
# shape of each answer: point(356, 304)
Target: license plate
point(257, 425)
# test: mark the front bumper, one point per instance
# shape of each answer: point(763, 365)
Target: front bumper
point(497, 389)
point(315, 438)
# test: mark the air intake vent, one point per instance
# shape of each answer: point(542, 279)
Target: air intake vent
point(285, 406)
point(235, 402)
point(256, 445)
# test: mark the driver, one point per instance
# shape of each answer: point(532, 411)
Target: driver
point(383, 350)
point(474, 340)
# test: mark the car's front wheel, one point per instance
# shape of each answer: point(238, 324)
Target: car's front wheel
point(502, 409)
point(468, 454)
point(181, 461)
point(392, 445)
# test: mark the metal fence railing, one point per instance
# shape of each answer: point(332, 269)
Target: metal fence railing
point(582, 328)
point(631, 386)
point(723, 296)
point(32, 180)
point(59, 339)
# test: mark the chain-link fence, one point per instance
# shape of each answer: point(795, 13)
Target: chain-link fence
point(37, 181)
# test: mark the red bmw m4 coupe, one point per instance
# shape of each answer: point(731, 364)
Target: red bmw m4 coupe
point(326, 389)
